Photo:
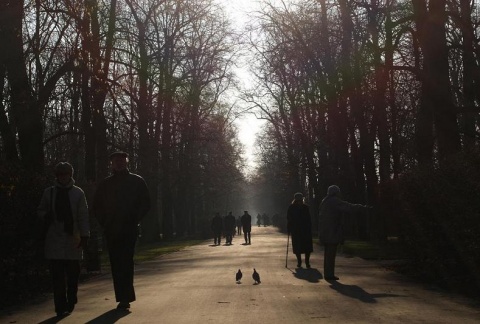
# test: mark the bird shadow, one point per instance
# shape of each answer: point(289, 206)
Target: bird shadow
point(111, 316)
point(357, 292)
point(310, 275)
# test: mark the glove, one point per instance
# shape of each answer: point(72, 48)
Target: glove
point(83, 243)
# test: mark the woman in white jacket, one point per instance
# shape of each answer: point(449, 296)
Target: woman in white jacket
point(63, 208)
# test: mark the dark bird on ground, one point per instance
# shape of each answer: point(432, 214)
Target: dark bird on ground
point(238, 276)
point(256, 276)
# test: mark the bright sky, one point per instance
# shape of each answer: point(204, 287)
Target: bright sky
point(248, 125)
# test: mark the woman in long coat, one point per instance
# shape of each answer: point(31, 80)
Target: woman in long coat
point(63, 208)
point(299, 226)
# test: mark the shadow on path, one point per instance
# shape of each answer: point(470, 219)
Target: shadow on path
point(51, 320)
point(310, 275)
point(111, 316)
point(357, 292)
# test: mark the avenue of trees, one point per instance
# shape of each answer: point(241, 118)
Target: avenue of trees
point(81, 79)
point(380, 97)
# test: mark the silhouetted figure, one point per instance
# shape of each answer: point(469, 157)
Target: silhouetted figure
point(299, 225)
point(256, 276)
point(259, 220)
point(120, 202)
point(238, 276)
point(247, 226)
point(266, 220)
point(217, 226)
point(63, 208)
point(239, 225)
point(330, 225)
point(229, 223)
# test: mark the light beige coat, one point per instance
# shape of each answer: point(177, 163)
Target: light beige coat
point(58, 244)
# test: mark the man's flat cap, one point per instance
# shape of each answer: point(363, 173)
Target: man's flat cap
point(119, 153)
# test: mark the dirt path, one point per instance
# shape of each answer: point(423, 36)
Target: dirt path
point(198, 285)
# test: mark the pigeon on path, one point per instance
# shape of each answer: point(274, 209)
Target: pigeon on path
point(256, 276)
point(238, 276)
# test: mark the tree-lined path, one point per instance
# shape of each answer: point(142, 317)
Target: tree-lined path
point(197, 284)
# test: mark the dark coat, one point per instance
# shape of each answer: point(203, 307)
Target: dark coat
point(246, 222)
point(120, 202)
point(299, 225)
point(229, 223)
point(331, 222)
point(217, 224)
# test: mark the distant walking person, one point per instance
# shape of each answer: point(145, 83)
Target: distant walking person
point(217, 226)
point(332, 210)
point(63, 208)
point(120, 202)
point(247, 227)
point(299, 226)
point(239, 225)
point(229, 223)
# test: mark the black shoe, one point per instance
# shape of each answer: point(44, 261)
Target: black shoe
point(299, 265)
point(331, 278)
point(123, 306)
point(62, 314)
point(70, 308)
point(308, 265)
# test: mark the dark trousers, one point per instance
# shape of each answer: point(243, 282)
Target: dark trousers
point(299, 258)
point(65, 275)
point(239, 230)
point(246, 235)
point(329, 260)
point(217, 238)
point(228, 237)
point(121, 262)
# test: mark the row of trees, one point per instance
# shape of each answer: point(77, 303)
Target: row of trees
point(81, 79)
point(380, 97)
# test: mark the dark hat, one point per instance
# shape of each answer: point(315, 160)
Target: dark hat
point(63, 168)
point(298, 196)
point(119, 153)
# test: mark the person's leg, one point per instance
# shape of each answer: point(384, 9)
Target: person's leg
point(245, 235)
point(329, 261)
point(73, 274)
point(121, 261)
point(57, 270)
point(249, 238)
point(307, 259)
point(299, 260)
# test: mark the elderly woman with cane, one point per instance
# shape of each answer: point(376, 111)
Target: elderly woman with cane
point(299, 226)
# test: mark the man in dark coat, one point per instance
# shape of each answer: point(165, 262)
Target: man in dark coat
point(247, 226)
point(120, 202)
point(229, 227)
point(217, 226)
point(330, 225)
point(299, 226)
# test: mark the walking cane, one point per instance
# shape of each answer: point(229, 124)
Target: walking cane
point(286, 257)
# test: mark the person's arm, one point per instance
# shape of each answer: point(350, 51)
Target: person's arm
point(347, 207)
point(83, 221)
point(98, 201)
point(143, 202)
point(83, 217)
